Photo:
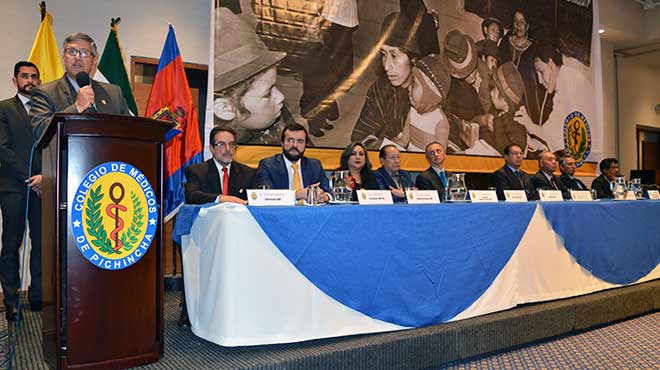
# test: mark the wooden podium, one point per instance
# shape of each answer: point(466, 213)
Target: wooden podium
point(99, 314)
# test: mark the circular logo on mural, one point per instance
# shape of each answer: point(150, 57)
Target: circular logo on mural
point(114, 215)
point(577, 137)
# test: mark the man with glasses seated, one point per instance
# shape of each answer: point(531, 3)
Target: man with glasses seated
point(65, 95)
point(291, 169)
point(220, 179)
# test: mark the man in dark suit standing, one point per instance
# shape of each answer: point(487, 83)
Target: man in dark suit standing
point(219, 179)
point(390, 176)
point(568, 166)
point(16, 142)
point(291, 169)
point(545, 179)
point(510, 177)
point(65, 95)
point(435, 177)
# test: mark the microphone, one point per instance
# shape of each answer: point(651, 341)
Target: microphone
point(82, 79)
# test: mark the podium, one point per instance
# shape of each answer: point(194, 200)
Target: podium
point(102, 237)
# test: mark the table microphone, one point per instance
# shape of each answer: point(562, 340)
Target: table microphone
point(82, 78)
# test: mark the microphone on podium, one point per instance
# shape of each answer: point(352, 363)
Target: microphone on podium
point(82, 79)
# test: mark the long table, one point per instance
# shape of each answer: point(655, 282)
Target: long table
point(263, 275)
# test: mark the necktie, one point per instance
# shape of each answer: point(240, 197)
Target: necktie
point(28, 105)
point(397, 180)
point(522, 182)
point(225, 181)
point(554, 183)
point(580, 185)
point(296, 179)
point(443, 178)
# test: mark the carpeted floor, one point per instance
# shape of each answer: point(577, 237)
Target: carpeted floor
point(632, 344)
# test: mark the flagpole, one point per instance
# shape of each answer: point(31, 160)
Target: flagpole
point(42, 7)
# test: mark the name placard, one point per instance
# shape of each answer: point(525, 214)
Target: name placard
point(550, 196)
point(515, 196)
point(422, 197)
point(630, 195)
point(271, 197)
point(369, 197)
point(654, 194)
point(581, 195)
point(483, 196)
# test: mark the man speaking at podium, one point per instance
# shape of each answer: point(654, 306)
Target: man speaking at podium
point(75, 92)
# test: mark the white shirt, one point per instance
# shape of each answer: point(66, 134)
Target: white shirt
point(289, 171)
point(25, 101)
point(220, 173)
point(341, 12)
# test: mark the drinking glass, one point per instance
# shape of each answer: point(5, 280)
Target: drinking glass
point(340, 183)
point(456, 187)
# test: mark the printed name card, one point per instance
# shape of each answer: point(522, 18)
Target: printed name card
point(581, 195)
point(483, 196)
point(422, 197)
point(271, 197)
point(654, 194)
point(375, 197)
point(515, 195)
point(630, 195)
point(550, 196)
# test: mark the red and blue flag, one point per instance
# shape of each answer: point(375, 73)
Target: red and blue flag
point(170, 100)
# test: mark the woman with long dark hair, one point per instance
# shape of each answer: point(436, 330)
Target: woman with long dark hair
point(356, 161)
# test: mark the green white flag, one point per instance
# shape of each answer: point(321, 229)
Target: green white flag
point(111, 67)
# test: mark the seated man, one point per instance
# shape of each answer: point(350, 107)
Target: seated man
point(545, 179)
point(219, 179)
point(510, 177)
point(609, 168)
point(567, 166)
point(390, 176)
point(291, 170)
point(435, 177)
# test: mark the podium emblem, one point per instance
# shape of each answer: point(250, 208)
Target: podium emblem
point(114, 215)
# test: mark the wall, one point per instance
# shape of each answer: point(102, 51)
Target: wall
point(639, 92)
point(142, 29)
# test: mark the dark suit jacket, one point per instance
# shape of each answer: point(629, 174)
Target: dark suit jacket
point(60, 96)
point(602, 186)
point(572, 183)
point(429, 180)
point(272, 171)
point(16, 141)
point(505, 179)
point(541, 182)
point(385, 180)
point(203, 181)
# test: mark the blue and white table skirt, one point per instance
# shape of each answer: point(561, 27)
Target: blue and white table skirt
point(261, 275)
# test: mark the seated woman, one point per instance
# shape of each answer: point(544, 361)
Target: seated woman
point(355, 160)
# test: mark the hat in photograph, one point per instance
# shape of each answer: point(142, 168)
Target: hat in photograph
point(239, 52)
point(397, 31)
point(510, 84)
point(488, 48)
point(436, 72)
point(460, 54)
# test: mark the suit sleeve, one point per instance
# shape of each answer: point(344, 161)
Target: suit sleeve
point(264, 176)
point(123, 105)
point(423, 183)
point(8, 156)
point(42, 111)
point(500, 184)
point(380, 181)
point(194, 193)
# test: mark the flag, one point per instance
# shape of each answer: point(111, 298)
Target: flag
point(170, 100)
point(111, 67)
point(45, 53)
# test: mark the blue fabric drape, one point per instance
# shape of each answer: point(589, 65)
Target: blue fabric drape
point(411, 265)
point(618, 242)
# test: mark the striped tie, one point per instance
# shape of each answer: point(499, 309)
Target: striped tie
point(296, 179)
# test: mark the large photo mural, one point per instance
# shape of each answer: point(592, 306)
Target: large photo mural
point(474, 75)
